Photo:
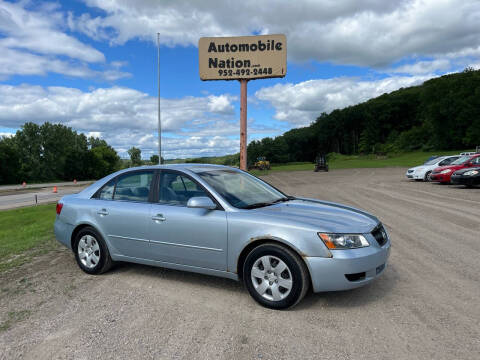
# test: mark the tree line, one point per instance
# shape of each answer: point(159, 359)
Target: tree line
point(441, 114)
point(51, 152)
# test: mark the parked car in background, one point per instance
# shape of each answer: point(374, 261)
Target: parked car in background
point(468, 177)
point(443, 174)
point(222, 221)
point(423, 172)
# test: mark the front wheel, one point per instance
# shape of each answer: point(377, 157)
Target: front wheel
point(91, 252)
point(275, 276)
point(427, 176)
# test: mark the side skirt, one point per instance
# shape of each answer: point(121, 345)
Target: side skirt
point(195, 269)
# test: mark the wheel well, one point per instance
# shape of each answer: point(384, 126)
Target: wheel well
point(254, 244)
point(76, 231)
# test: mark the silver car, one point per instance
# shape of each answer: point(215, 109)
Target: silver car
point(222, 221)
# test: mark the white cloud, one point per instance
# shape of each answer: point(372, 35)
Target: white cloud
point(39, 32)
point(221, 104)
point(33, 42)
point(192, 126)
point(423, 67)
point(302, 103)
point(369, 33)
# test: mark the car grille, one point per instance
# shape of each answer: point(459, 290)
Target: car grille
point(380, 235)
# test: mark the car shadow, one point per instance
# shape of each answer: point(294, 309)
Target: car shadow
point(178, 276)
point(462, 187)
point(373, 292)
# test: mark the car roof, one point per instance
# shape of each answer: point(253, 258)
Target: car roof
point(187, 166)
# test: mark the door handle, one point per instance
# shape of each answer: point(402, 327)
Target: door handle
point(102, 212)
point(159, 217)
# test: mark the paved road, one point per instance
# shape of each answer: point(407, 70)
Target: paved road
point(40, 186)
point(425, 306)
point(19, 198)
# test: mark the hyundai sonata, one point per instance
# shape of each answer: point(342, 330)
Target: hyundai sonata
point(222, 221)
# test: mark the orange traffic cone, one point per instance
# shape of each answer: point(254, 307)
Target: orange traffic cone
point(55, 189)
point(24, 184)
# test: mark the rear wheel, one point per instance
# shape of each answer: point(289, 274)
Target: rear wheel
point(275, 276)
point(91, 251)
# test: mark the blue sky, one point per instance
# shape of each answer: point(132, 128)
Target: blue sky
point(91, 64)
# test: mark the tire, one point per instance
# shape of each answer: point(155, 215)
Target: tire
point(427, 176)
point(266, 288)
point(91, 252)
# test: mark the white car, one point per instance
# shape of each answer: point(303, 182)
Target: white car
point(423, 172)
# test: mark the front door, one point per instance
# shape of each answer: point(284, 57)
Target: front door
point(182, 235)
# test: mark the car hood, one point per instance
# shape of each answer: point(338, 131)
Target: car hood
point(462, 171)
point(452, 167)
point(323, 215)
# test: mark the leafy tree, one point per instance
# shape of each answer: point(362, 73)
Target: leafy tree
point(154, 159)
point(135, 156)
point(9, 162)
point(51, 152)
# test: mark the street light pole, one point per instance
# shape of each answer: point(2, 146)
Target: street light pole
point(159, 117)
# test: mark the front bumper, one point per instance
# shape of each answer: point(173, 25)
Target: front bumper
point(463, 180)
point(443, 178)
point(414, 175)
point(361, 266)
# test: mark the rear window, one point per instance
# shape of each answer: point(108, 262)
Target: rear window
point(106, 192)
point(134, 186)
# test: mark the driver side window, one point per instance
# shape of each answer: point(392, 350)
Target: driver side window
point(176, 189)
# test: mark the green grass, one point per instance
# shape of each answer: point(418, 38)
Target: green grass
point(14, 317)
point(338, 161)
point(24, 233)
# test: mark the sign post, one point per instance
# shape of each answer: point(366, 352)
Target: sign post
point(242, 58)
point(243, 124)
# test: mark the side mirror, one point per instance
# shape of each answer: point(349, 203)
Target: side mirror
point(202, 202)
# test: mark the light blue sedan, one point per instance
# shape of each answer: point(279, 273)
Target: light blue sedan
point(222, 221)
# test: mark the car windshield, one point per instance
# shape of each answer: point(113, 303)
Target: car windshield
point(433, 161)
point(242, 190)
point(461, 160)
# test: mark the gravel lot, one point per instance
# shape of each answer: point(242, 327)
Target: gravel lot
point(425, 306)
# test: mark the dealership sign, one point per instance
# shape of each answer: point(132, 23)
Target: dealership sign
point(243, 57)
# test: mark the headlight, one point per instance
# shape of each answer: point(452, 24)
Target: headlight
point(446, 171)
point(471, 173)
point(343, 241)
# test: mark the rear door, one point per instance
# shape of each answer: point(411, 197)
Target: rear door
point(182, 235)
point(122, 210)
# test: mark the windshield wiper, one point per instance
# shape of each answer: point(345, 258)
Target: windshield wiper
point(257, 205)
point(263, 204)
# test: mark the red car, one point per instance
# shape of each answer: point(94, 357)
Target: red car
point(442, 174)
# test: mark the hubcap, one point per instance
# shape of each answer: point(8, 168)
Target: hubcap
point(271, 278)
point(88, 251)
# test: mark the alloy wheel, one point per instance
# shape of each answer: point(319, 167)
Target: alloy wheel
point(88, 251)
point(271, 278)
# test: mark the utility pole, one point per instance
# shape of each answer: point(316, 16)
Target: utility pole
point(159, 117)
